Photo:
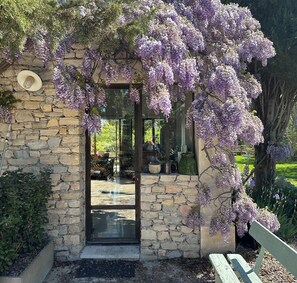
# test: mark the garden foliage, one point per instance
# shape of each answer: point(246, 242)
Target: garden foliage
point(23, 214)
point(281, 199)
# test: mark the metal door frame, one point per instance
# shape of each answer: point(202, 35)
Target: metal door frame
point(138, 162)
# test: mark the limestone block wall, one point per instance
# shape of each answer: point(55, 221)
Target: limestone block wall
point(46, 134)
point(165, 202)
point(216, 243)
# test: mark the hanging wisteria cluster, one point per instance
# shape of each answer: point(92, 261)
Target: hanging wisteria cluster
point(5, 115)
point(199, 47)
point(279, 151)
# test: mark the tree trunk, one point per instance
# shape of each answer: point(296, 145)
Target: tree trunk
point(265, 169)
point(273, 107)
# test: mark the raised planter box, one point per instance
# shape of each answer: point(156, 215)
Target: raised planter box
point(37, 270)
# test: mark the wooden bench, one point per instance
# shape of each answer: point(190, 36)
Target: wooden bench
point(286, 255)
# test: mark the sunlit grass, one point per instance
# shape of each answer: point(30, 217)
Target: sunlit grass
point(286, 169)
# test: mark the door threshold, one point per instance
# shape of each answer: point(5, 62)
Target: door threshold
point(123, 252)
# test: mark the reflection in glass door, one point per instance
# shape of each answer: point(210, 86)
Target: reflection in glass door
point(113, 178)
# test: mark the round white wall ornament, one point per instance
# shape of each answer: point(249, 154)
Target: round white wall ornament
point(29, 80)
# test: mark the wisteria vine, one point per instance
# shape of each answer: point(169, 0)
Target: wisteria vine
point(199, 47)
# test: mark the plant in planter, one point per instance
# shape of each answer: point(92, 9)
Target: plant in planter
point(23, 215)
point(187, 164)
point(155, 166)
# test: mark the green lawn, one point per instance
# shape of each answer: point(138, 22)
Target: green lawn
point(287, 169)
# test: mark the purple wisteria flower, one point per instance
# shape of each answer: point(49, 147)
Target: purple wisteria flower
point(87, 65)
point(279, 151)
point(11, 57)
point(134, 95)
point(220, 159)
point(92, 123)
point(224, 82)
point(269, 220)
point(111, 72)
point(252, 87)
point(63, 47)
point(5, 115)
point(246, 211)
point(161, 101)
point(228, 179)
point(221, 222)
point(188, 74)
point(251, 183)
point(257, 47)
point(127, 73)
point(41, 46)
point(194, 219)
point(148, 47)
point(204, 195)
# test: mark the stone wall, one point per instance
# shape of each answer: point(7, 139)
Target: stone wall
point(216, 243)
point(46, 134)
point(165, 202)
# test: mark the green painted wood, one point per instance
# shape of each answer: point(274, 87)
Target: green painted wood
point(259, 260)
point(285, 254)
point(243, 268)
point(223, 270)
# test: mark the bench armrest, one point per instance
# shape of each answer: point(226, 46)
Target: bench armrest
point(243, 268)
point(223, 271)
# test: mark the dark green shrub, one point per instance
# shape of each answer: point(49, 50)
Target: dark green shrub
point(23, 214)
point(288, 227)
point(281, 199)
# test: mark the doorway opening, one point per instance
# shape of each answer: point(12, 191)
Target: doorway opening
point(113, 173)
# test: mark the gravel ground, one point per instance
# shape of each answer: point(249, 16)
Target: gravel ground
point(172, 271)
point(169, 271)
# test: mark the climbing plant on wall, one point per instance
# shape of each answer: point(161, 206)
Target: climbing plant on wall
point(181, 48)
point(7, 103)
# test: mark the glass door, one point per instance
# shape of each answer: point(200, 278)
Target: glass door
point(112, 174)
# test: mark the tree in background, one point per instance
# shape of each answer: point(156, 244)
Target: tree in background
point(291, 135)
point(21, 20)
point(186, 47)
point(279, 85)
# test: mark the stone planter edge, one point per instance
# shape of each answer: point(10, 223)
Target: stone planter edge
point(38, 268)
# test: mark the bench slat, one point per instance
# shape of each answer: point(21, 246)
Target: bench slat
point(243, 268)
point(223, 270)
point(286, 255)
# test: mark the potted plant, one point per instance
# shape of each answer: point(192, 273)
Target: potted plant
point(26, 254)
point(187, 164)
point(155, 166)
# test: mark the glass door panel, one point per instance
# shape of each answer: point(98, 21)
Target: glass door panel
point(113, 224)
point(119, 191)
point(112, 215)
